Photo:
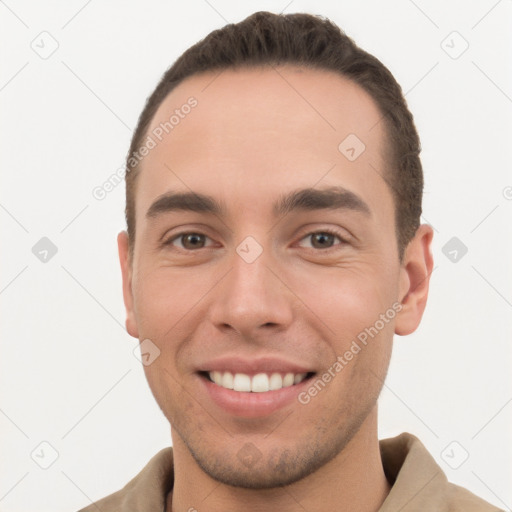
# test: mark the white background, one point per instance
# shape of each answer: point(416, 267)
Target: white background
point(67, 370)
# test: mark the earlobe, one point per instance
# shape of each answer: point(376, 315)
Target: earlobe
point(127, 273)
point(414, 280)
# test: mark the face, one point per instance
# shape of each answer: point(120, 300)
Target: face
point(270, 282)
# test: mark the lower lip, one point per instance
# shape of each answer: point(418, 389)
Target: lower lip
point(249, 404)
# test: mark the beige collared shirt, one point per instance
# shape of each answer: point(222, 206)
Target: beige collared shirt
point(419, 484)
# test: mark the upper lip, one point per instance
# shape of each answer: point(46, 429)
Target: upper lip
point(253, 366)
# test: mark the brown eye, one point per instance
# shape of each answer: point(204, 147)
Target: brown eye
point(192, 241)
point(188, 241)
point(324, 239)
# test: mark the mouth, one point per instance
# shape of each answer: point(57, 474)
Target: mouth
point(262, 382)
point(252, 387)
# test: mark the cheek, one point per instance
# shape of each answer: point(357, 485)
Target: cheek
point(167, 391)
point(348, 300)
point(163, 297)
point(354, 312)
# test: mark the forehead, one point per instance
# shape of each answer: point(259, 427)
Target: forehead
point(272, 96)
point(260, 126)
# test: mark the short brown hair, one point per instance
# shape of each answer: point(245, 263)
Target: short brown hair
point(313, 42)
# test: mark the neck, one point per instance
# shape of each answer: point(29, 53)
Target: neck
point(353, 480)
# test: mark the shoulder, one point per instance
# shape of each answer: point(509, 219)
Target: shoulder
point(419, 483)
point(145, 491)
point(460, 499)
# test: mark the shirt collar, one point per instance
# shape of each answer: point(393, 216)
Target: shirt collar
point(418, 483)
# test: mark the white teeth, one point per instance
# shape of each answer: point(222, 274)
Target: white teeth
point(288, 380)
point(242, 382)
point(276, 381)
point(227, 380)
point(259, 383)
point(299, 378)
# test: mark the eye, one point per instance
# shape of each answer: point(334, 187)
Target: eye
point(189, 241)
point(325, 239)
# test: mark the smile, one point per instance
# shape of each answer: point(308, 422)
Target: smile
point(258, 383)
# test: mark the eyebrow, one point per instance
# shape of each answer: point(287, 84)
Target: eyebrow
point(307, 199)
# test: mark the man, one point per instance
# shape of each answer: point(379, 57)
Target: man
point(273, 249)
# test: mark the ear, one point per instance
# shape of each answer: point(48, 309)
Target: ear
point(414, 280)
point(127, 272)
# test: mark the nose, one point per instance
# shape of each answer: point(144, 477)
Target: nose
point(252, 298)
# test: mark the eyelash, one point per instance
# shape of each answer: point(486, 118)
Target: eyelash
point(321, 231)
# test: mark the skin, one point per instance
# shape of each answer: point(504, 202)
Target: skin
point(254, 135)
